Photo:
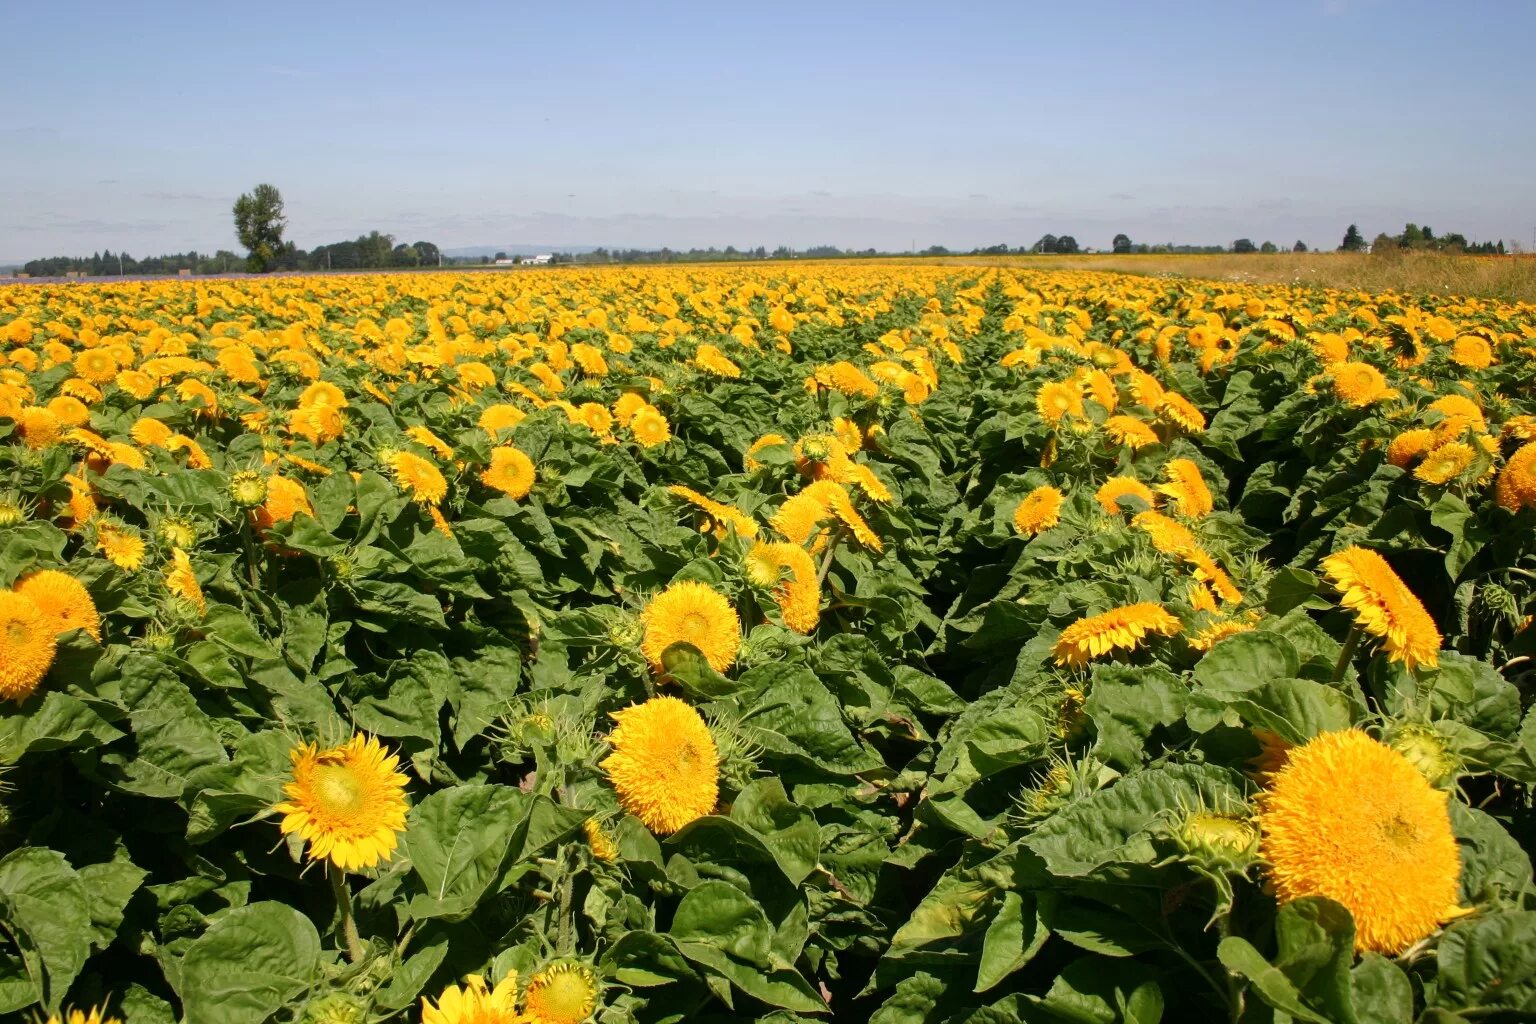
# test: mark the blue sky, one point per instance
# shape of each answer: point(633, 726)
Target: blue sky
point(466, 123)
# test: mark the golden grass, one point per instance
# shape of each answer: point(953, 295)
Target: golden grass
point(1510, 278)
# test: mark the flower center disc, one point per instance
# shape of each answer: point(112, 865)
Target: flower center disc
point(338, 788)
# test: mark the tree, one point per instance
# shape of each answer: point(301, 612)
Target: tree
point(1383, 244)
point(1244, 245)
point(1066, 243)
point(1300, 246)
point(1269, 247)
point(1122, 243)
point(259, 224)
point(430, 254)
point(1354, 241)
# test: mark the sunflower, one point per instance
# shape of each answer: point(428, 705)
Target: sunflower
point(788, 570)
point(1358, 384)
point(511, 472)
point(149, 432)
point(323, 393)
point(720, 515)
point(625, 407)
point(1409, 446)
point(1384, 607)
point(1471, 352)
point(1118, 488)
point(63, 600)
point(599, 841)
point(39, 427)
point(417, 477)
point(430, 441)
point(475, 1003)
point(665, 765)
point(1445, 463)
point(650, 428)
point(1123, 627)
point(1216, 632)
point(1181, 412)
point(499, 417)
point(1056, 400)
point(96, 365)
point(1351, 819)
point(95, 1015)
point(348, 803)
point(800, 516)
point(1039, 511)
point(562, 993)
point(121, 546)
point(1130, 432)
point(1516, 486)
point(181, 581)
point(27, 644)
point(691, 612)
point(849, 379)
point(285, 499)
point(1187, 488)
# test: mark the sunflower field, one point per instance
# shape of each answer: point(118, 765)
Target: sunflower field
point(847, 642)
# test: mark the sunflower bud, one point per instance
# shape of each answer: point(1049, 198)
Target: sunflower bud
point(177, 531)
point(342, 566)
point(248, 488)
point(601, 843)
point(1427, 751)
point(11, 513)
point(337, 1008)
point(1222, 842)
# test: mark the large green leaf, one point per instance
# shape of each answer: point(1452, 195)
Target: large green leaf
point(48, 917)
point(248, 965)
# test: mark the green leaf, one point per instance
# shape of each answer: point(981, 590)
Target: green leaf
point(781, 986)
point(1493, 865)
point(248, 965)
point(645, 960)
point(1316, 940)
point(789, 831)
point(1126, 705)
point(1293, 588)
point(1238, 956)
point(793, 714)
point(1247, 661)
point(1096, 991)
point(1013, 938)
point(109, 886)
point(1380, 991)
point(457, 840)
point(141, 1006)
point(47, 913)
point(1294, 709)
point(720, 915)
point(55, 722)
point(1488, 961)
point(1114, 825)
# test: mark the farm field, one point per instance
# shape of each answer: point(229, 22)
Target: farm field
point(875, 642)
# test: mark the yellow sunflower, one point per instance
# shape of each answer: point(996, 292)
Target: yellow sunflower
point(95, 1015)
point(562, 993)
point(600, 842)
point(691, 612)
point(1445, 463)
point(285, 499)
point(121, 546)
point(1056, 400)
point(1358, 384)
point(665, 765)
point(27, 644)
point(1409, 446)
point(650, 428)
point(1383, 606)
point(1351, 819)
point(1039, 511)
point(1181, 412)
point(417, 477)
point(1516, 486)
point(63, 600)
point(1124, 628)
point(720, 515)
point(511, 472)
point(1187, 488)
point(791, 574)
point(348, 803)
point(38, 426)
point(1130, 432)
point(181, 581)
point(475, 1003)
point(1117, 488)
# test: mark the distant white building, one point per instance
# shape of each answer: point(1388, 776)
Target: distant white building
point(540, 259)
point(506, 262)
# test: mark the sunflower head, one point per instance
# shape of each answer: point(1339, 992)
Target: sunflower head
point(1383, 606)
point(665, 766)
point(336, 1008)
point(63, 600)
point(1217, 841)
point(95, 1015)
point(691, 612)
point(28, 641)
point(12, 511)
point(1352, 819)
point(599, 841)
point(348, 802)
point(177, 531)
point(476, 1003)
point(1427, 750)
point(1039, 511)
point(417, 477)
point(562, 993)
point(511, 472)
point(248, 488)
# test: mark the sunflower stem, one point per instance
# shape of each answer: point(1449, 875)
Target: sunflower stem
point(250, 550)
point(826, 563)
point(1350, 643)
point(344, 910)
point(567, 940)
